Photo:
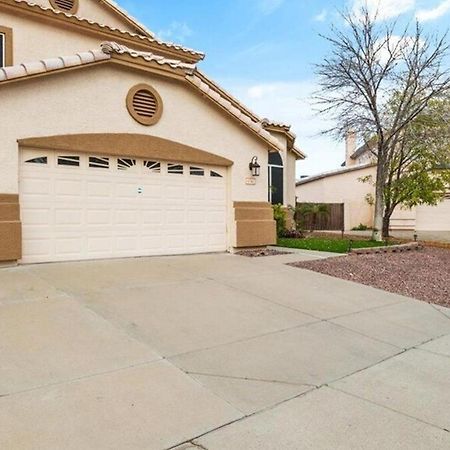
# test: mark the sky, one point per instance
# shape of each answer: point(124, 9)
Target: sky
point(264, 52)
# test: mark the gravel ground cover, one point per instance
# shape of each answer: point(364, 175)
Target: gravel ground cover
point(256, 253)
point(422, 274)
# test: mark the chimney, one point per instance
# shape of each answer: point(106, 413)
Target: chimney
point(350, 147)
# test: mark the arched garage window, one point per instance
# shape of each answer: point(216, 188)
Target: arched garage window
point(275, 178)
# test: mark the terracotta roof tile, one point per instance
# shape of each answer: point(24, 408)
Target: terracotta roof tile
point(114, 47)
point(51, 64)
point(152, 39)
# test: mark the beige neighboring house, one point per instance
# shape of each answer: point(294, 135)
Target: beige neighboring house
point(345, 186)
point(115, 144)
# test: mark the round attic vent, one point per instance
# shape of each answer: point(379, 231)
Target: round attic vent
point(144, 104)
point(67, 6)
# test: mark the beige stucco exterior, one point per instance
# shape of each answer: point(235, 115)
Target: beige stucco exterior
point(342, 188)
point(96, 11)
point(90, 99)
point(345, 186)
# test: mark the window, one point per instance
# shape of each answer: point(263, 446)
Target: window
point(125, 163)
point(6, 47)
point(175, 168)
point(197, 171)
point(98, 163)
point(68, 161)
point(153, 166)
point(215, 174)
point(276, 178)
point(38, 160)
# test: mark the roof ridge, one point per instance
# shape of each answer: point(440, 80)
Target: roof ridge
point(51, 64)
point(109, 47)
point(151, 39)
point(333, 172)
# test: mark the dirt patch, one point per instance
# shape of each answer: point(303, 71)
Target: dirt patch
point(422, 274)
point(256, 253)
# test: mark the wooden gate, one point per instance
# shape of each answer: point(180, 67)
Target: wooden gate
point(331, 221)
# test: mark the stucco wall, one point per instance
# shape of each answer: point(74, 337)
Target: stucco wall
point(92, 100)
point(433, 218)
point(93, 10)
point(343, 188)
point(34, 40)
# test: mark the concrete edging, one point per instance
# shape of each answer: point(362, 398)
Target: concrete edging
point(387, 249)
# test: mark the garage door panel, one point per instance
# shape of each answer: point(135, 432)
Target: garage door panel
point(72, 213)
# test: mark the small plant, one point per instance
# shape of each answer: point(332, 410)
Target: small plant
point(279, 215)
point(292, 234)
point(361, 227)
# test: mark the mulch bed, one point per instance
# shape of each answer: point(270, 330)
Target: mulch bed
point(422, 274)
point(256, 253)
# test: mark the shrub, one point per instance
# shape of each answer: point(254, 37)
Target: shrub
point(279, 214)
point(360, 227)
point(292, 234)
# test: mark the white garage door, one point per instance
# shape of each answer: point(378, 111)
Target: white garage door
point(81, 206)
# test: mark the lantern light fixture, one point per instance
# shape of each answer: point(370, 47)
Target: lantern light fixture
point(254, 167)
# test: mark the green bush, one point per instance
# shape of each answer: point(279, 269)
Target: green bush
point(360, 227)
point(279, 215)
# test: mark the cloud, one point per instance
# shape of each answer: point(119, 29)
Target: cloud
point(384, 9)
point(322, 16)
point(289, 102)
point(267, 7)
point(177, 31)
point(424, 15)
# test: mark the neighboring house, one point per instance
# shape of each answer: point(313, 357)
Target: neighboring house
point(114, 144)
point(345, 186)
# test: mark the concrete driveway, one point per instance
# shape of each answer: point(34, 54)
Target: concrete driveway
point(216, 352)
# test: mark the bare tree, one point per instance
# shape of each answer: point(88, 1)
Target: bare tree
point(370, 64)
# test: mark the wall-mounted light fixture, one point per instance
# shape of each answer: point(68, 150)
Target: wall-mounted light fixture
point(254, 166)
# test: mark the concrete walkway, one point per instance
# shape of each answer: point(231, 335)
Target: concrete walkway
point(216, 352)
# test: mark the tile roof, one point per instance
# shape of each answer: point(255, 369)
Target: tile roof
point(207, 87)
point(214, 95)
point(114, 5)
point(331, 173)
point(119, 49)
point(51, 64)
point(73, 17)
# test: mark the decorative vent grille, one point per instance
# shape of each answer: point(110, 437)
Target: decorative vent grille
point(144, 104)
point(67, 6)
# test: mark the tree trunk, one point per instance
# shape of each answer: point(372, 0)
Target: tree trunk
point(379, 204)
point(386, 223)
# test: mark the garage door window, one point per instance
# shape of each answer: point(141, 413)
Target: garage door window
point(125, 163)
point(98, 163)
point(197, 171)
point(215, 174)
point(175, 168)
point(69, 161)
point(153, 166)
point(39, 160)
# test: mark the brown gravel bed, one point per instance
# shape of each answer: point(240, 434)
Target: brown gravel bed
point(256, 253)
point(422, 274)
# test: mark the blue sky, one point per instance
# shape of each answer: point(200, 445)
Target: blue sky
point(263, 52)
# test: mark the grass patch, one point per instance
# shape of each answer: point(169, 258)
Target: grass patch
point(327, 245)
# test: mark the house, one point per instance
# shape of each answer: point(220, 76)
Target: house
point(345, 185)
point(115, 144)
